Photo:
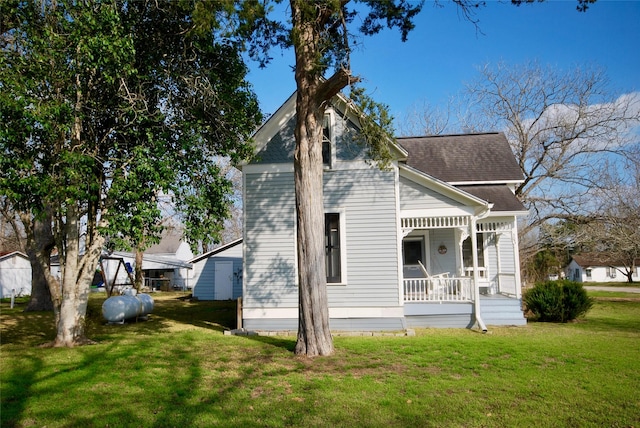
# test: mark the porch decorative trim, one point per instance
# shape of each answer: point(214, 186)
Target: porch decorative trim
point(434, 222)
point(494, 226)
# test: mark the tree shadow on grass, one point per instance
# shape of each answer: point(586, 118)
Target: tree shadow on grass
point(171, 311)
point(287, 343)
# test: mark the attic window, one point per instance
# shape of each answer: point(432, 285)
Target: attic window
point(326, 140)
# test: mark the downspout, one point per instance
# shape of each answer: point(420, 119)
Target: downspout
point(474, 250)
point(476, 288)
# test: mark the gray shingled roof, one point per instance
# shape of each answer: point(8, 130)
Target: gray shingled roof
point(499, 195)
point(169, 243)
point(463, 158)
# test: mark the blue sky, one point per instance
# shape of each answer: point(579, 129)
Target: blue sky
point(444, 50)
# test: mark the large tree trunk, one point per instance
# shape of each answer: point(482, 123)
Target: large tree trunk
point(313, 94)
point(40, 241)
point(75, 288)
point(314, 335)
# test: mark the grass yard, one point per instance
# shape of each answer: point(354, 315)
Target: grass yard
point(178, 370)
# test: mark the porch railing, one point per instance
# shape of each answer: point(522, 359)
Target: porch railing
point(507, 285)
point(456, 289)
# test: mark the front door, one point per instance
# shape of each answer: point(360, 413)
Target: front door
point(223, 289)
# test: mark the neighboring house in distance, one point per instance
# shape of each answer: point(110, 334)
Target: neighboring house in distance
point(431, 241)
point(165, 265)
point(15, 274)
point(217, 274)
point(596, 267)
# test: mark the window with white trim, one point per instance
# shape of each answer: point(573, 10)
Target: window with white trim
point(327, 149)
point(333, 248)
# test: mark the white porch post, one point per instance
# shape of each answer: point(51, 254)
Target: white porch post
point(474, 257)
point(498, 235)
point(516, 253)
point(476, 287)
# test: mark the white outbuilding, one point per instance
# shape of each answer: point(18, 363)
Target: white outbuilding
point(217, 274)
point(15, 274)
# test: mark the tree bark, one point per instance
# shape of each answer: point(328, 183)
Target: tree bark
point(314, 334)
point(40, 241)
point(313, 95)
point(138, 275)
point(75, 293)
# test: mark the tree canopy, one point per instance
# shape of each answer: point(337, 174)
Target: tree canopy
point(103, 107)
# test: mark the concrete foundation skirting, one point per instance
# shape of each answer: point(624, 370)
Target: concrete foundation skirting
point(244, 332)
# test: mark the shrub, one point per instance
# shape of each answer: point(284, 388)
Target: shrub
point(557, 301)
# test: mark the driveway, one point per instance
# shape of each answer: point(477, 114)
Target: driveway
point(616, 289)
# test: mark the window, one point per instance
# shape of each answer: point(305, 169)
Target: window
point(611, 272)
point(413, 251)
point(326, 140)
point(467, 254)
point(332, 248)
point(588, 272)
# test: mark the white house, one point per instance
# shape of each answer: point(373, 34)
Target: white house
point(593, 267)
point(432, 241)
point(165, 265)
point(217, 274)
point(15, 274)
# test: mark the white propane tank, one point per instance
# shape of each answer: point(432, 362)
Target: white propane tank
point(116, 309)
point(146, 302)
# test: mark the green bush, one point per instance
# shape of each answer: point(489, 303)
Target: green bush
point(557, 301)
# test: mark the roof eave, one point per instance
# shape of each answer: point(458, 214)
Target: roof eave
point(482, 183)
point(520, 213)
point(216, 251)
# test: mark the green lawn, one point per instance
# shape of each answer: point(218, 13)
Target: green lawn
point(178, 370)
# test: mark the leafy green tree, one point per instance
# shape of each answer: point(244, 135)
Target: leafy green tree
point(103, 107)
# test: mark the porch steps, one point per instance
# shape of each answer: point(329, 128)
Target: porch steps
point(499, 310)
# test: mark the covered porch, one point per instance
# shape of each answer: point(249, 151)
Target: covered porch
point(458, 258)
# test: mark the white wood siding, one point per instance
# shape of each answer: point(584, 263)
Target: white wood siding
point(203, 280)
point(269, 240)
point(441, 263)
point(15, 276)
point(367, 198)
point(415, 196)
